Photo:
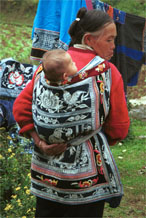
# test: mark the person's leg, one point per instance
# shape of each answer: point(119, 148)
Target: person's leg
point(86, 210)
point(48, 209)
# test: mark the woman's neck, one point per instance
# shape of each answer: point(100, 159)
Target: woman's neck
point(81, 46)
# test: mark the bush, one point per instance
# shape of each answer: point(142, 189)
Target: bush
point(136, 7)
point(16, 200)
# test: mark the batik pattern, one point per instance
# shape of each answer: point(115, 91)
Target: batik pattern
point(45, 40)
point(65, 111)
point(86, 171)
point(14, 76)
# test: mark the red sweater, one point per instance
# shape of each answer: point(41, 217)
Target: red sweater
point(117, 123)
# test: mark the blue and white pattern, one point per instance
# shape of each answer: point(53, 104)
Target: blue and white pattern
point(14, 76)
point(86, 171)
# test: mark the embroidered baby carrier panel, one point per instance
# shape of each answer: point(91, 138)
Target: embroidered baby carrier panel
point(69, 111)
point(65, 111)
point(82, 174)
point(86, 171)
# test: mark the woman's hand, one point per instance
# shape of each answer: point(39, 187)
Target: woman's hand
point(53, 149)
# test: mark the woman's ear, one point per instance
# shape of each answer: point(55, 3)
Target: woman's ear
point(88, 40)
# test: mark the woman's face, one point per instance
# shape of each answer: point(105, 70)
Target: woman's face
point(104, 43)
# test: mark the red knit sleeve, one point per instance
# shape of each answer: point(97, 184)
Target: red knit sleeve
point(117, 123)
point(22, 108)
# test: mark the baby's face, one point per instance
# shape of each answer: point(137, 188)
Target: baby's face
point(71, 67)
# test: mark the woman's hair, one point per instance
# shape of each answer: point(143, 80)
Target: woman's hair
point(53, 62)
point(87, 22)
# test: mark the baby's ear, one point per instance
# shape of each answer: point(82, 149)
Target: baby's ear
point(65, 76)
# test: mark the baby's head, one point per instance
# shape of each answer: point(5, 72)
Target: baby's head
point(58, 65)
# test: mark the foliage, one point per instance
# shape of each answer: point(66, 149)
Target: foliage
point(18, 11)
point(137, 7)
point(16, 42)
point(10, 5)
point(15, 177)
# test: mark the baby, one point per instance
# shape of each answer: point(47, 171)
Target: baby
point(58, 66)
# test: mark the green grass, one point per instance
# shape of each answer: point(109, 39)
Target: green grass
point(15, 42)
point(130, 159)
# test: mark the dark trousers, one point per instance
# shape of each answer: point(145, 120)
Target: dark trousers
point(46, 208)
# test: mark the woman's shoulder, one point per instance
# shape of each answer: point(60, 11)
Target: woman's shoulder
point(114, 68)
point(115, 72)
point(81, 56)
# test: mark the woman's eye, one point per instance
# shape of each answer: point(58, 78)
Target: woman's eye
point(110, 40)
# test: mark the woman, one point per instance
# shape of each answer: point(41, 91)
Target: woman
point(74, 179)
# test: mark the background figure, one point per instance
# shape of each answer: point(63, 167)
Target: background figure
point(50, 27)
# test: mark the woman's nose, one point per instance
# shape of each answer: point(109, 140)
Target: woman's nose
point(113, 45)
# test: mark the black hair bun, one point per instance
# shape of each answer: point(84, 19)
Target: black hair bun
point(81, 12)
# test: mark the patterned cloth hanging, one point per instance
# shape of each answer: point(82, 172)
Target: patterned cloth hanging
point(51, 24)
point(130, 52)
point(14, 76)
